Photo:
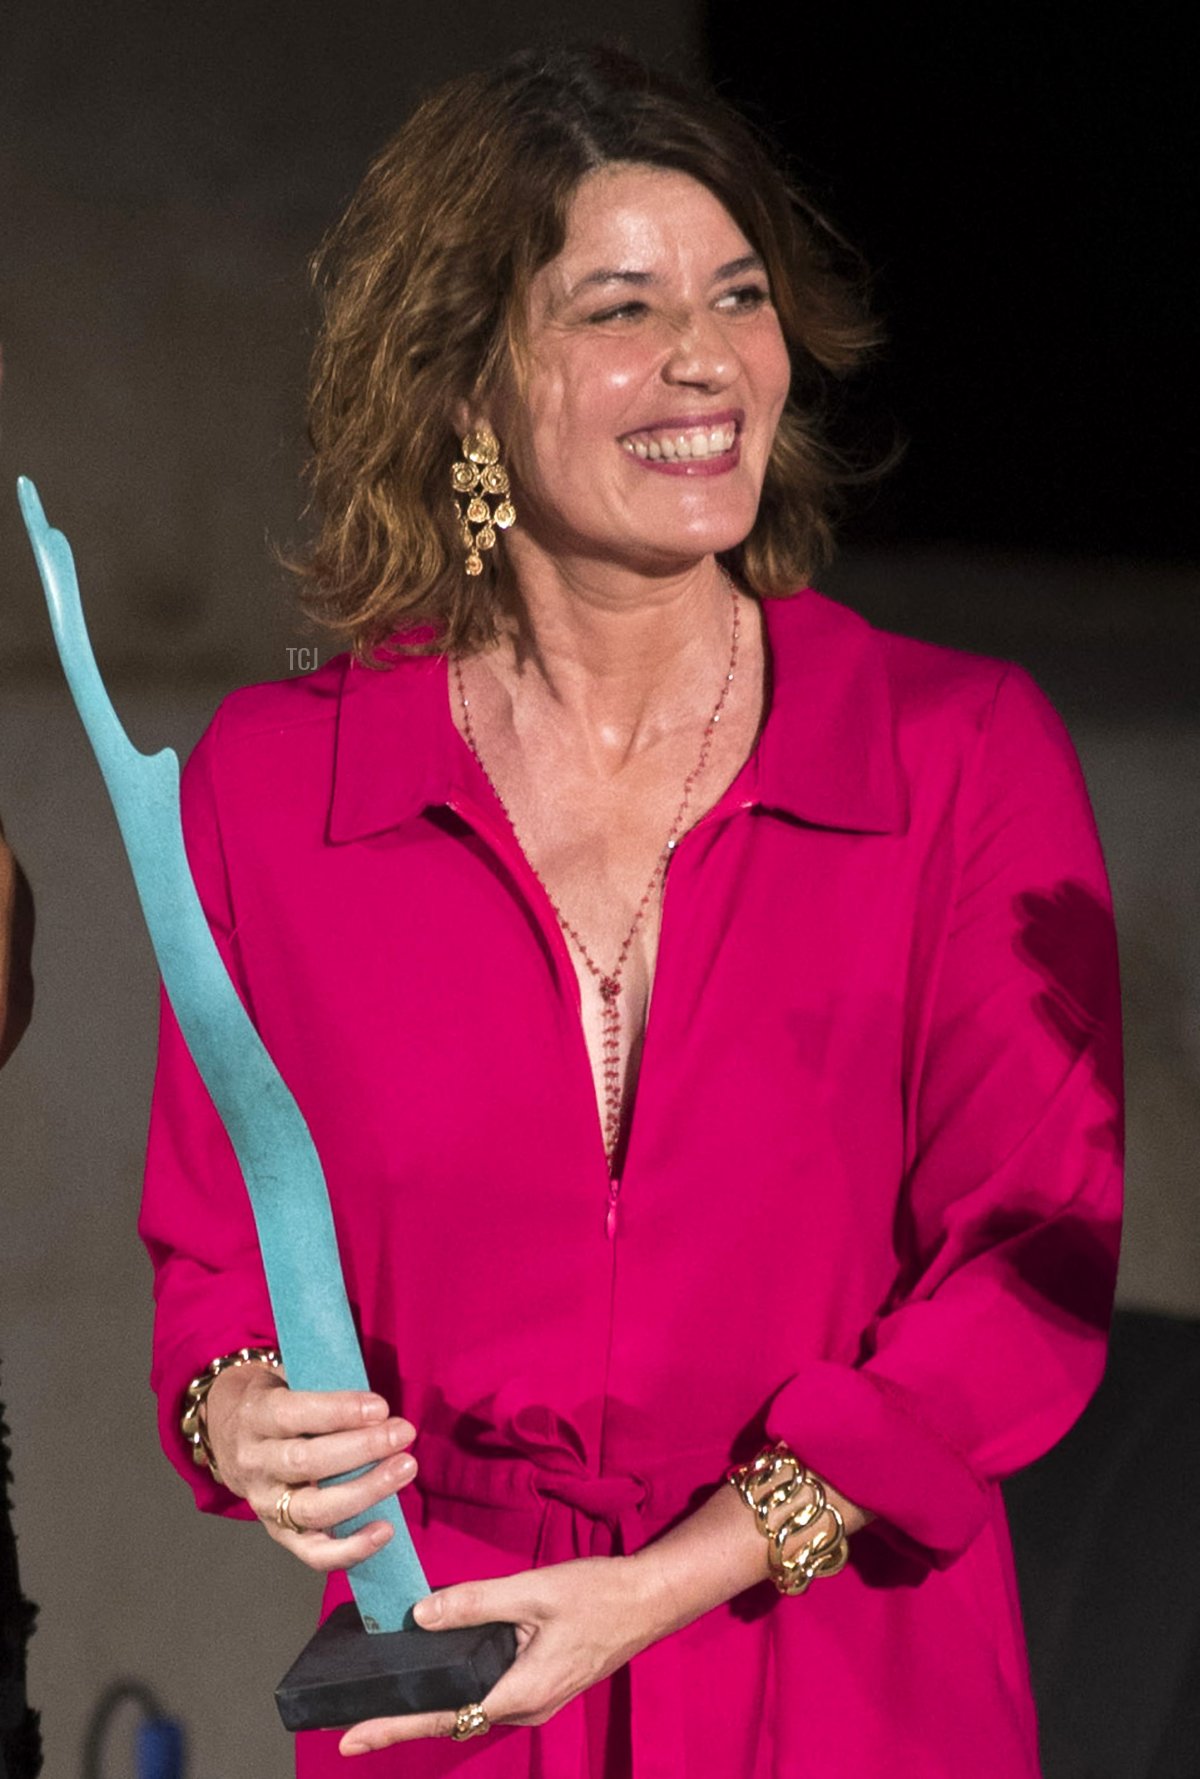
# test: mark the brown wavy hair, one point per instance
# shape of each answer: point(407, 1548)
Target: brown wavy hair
point(423, 286)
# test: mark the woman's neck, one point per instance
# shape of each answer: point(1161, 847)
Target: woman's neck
point(620, 660)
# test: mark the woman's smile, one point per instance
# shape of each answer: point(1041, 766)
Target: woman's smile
point(688, 445)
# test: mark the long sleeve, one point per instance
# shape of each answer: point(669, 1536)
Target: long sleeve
point(1008, 1226)
point(196, 1221)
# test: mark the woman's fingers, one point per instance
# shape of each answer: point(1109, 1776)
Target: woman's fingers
point(305, 1436)
point(251, 1414)
point(511, 1599)
point(570, 1634)
point(526, 1695)
point(382, 1732)
point(298, 1458)
point(277, 1444)
point(282, 1412)
point(314, 1509)
point(468, 1603)
point(322, 1552)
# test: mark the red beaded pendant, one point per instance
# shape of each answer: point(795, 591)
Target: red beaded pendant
point(609, 982)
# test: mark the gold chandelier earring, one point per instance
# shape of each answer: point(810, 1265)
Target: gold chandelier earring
point(481, 477)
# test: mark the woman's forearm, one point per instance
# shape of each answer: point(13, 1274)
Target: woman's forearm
point(706, 1559)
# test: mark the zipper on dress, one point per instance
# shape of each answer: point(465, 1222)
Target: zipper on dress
point(610, 1216)
point(713, 815)
point(501, 845)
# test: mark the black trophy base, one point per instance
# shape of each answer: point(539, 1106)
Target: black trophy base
point(344, 1674)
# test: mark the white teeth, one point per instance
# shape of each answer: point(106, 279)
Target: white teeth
point(682, 446)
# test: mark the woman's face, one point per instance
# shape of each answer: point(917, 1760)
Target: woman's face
point(655, 377)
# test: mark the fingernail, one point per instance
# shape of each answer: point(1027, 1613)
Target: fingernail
point(374, 1408)
point(395, 1434)
point(354, 1748)
point(405, 1466)
point(427, 1612)
point(380, 1535)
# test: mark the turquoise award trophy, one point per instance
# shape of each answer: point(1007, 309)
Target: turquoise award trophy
point(368, 1659)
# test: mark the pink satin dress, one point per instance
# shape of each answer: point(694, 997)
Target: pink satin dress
point(868, 1199)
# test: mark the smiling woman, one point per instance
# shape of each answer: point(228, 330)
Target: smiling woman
point(515, 211)
point(644, 938)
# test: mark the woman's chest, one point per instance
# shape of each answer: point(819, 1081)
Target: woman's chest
point(422, 1007)
point(419, 993)
point(600, 852)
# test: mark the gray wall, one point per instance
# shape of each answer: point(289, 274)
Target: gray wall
point(164, 174)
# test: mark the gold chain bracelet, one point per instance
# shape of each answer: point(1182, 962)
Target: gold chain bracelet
point(193, 1424)
point(786, 1499)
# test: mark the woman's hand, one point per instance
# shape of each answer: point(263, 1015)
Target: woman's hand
point(576, 1623)
point(267, 1439)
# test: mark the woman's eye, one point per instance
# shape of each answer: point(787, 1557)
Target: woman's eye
point(621, 312)
point(744, 299)
point(745, 296)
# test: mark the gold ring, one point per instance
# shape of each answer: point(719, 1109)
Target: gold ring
point(283, 1513)
point(472, 1720)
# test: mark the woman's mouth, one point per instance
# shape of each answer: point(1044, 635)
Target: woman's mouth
point(683, 443)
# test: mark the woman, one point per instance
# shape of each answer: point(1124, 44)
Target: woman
point(848, 1192)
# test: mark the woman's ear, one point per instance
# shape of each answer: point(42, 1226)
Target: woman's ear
point(468, 417)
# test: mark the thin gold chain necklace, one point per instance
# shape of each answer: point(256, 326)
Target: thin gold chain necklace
point(609, 981)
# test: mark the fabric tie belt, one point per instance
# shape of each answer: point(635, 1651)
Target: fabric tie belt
point(526, 1487)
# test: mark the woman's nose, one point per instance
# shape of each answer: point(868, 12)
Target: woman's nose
point(701, 354)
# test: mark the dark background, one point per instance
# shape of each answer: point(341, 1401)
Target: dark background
point(1022, 183)
point(1025, 186)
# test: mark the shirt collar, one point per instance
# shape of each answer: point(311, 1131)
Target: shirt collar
point(827, 753)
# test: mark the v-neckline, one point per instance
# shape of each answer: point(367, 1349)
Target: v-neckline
point(497, 826)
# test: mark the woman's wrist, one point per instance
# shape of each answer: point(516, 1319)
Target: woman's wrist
point(229, 1376)
point(805, 1532)
point(705, 1560)
point(709, 1558)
